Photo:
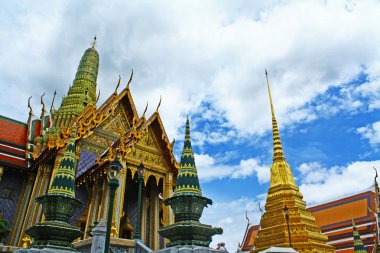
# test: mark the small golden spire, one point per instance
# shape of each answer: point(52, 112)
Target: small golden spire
point(377, 208)
point(130, 79)
point(159, 103)
point(94, 42)
point(117, 86)
point(278, 153)
point(146, 108)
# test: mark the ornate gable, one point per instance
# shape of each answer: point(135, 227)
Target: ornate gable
point(149, 151)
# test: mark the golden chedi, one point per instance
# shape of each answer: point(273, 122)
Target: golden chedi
point(305, 235)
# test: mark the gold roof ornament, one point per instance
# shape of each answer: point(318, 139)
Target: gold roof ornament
point(306, 236)
point(159, 104)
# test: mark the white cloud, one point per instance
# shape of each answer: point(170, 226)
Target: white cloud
point(319, 184)
point(190, 52)
point(233, 222)
point(370, 132)
point(209, 169)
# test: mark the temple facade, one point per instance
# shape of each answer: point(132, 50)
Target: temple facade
point(31, 152)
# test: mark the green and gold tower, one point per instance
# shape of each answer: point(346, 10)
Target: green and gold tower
point(187, 204)
point(83, 90)
point(59, 206)
point(358, 243)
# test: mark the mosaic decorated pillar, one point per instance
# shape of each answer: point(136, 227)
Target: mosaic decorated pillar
point(30, 206)
point(155, 218)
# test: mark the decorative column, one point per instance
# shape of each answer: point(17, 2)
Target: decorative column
point(155, 218)
point(30, 203)
point(141, 170)
point(91, 208)
point(27, 190)
point(168, 192)
point(1, 172)
point(58, 158)
point(44, 188)
point(120, 198)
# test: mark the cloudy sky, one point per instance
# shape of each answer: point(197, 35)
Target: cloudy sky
point(207, 60)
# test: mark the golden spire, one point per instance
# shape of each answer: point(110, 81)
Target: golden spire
point(278, 153)
point(283, 191)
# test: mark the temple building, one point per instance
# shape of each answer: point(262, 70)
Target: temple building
point(335, 220)
point(286, 222)
point(30, 154)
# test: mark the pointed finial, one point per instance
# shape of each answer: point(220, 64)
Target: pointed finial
point(117, 86)
point(270, 95)
point(278, 153)
point(94, 42)
point(29, 106)
point(159, 103)
point(377, 207)
point(52, 102)
point(97, 99)
point(246, 217)
point(42, 101)
point(130, 79)
point(146, 108)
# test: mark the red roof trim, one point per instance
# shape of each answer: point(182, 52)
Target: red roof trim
point(13, 120)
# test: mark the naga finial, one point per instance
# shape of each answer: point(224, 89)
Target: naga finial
point(146, 108)
point(159, 103)
point(261, 210)
point(246, 217)
point(97, 99)
point(52, 102)
point(117, 86)
point(94, 42)
point(29, 106)
point(42, 102)
point(130, 79)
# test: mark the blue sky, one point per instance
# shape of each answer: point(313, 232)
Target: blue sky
point(207, 60)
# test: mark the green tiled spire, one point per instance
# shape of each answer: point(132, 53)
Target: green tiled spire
point(187, 179)
point(358, 243)
point(187, 205)
point(64, 180)
point(83, 90)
